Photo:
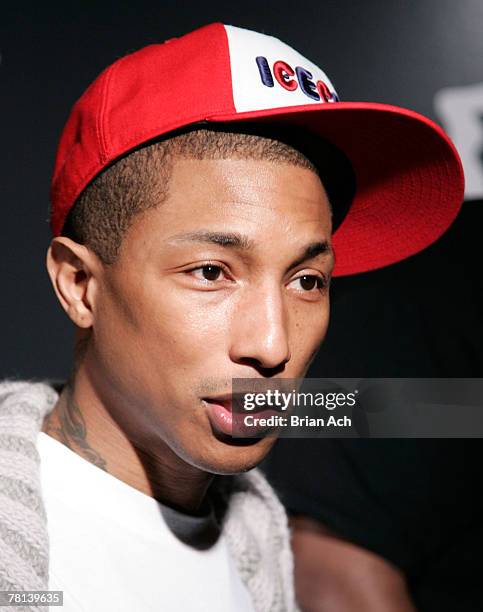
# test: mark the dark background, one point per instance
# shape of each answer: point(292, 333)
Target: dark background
point(420, 317)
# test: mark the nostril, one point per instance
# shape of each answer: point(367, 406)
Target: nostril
point(264, 371)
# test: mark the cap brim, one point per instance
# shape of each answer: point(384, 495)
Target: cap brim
point(409, 178)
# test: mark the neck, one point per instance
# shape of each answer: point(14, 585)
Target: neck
point(83, 423)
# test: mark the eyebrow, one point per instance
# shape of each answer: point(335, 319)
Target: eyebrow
point(243, 243)
point(226, 239)
point(321, 247)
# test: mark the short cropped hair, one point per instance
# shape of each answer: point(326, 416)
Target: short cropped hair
point(140, 181)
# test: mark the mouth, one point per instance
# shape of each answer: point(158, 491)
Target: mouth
point(227, 416)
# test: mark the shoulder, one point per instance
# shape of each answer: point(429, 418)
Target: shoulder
point(27, 396)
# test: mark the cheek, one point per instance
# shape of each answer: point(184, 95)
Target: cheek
point(150, 333)
point(309, 326)
point(181, 328)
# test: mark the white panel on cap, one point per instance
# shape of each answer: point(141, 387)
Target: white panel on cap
point(249, 92)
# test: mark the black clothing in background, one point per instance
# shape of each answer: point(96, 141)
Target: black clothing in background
point(417, 503)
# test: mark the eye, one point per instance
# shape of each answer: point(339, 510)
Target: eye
point(309, 282)
point(208, 272)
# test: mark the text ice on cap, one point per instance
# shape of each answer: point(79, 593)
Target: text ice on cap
point(267, 73)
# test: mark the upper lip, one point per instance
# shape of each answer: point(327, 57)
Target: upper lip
point(226, 397)
point(225, 400)
point(234, 401)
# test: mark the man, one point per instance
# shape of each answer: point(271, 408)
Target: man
point(191, 213)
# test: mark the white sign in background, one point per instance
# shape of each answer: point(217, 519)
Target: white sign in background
point(461, 112)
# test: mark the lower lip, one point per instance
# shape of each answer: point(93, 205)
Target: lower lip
point(221, 418)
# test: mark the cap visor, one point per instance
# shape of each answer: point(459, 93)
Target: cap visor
point(409, 178)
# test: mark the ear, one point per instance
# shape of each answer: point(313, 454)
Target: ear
point(74, 271)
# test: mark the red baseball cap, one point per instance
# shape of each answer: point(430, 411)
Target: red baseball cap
point(408, 175)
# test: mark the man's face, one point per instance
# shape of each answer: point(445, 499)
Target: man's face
point(208, 287)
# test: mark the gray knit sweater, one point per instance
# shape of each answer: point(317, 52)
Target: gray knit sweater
point(254, 524)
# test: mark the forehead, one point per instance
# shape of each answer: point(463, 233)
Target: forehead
point(256, 197)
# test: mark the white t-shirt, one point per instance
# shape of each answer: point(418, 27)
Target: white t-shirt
point(111, 548)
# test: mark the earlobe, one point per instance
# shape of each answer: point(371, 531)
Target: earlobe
point(70, 268)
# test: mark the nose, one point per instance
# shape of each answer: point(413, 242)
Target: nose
point(260, 330)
